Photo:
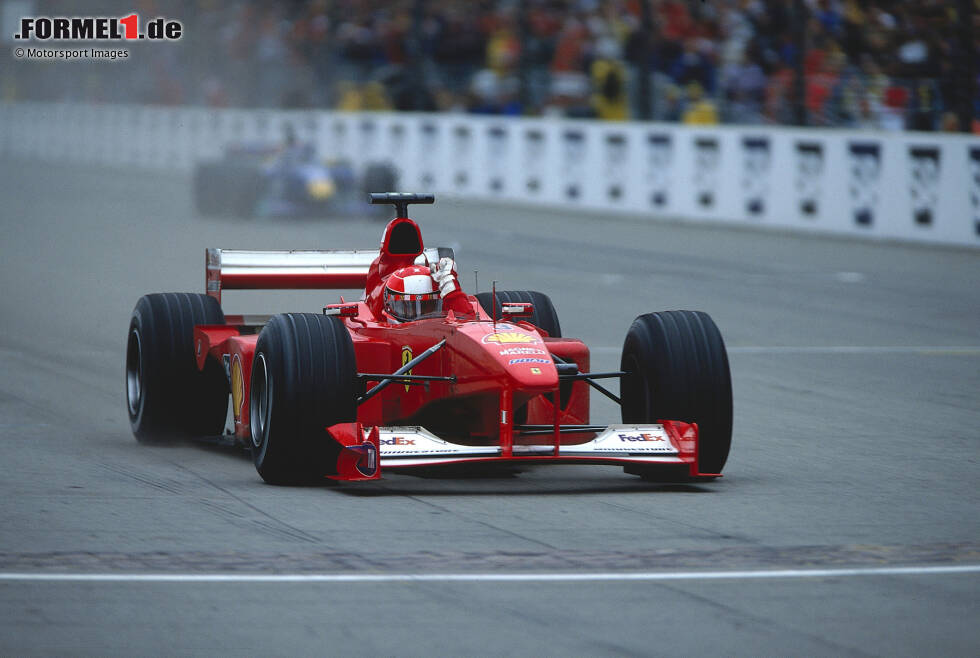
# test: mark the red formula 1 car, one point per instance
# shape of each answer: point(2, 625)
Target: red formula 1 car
point(351, 392)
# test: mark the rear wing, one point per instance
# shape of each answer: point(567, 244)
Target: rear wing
point(239, 269)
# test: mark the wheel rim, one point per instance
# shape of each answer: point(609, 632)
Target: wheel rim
point(260, 401)
point(134, 372)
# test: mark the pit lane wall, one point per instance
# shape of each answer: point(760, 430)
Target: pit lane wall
point(919, 187)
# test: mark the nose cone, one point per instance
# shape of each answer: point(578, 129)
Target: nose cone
point(519, 353)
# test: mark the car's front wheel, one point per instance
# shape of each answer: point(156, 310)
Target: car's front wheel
point(677, 369)
point(303, 380)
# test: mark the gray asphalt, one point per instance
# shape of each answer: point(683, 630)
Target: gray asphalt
point(856, 369)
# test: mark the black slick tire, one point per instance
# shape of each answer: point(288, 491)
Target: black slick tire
point(678, 370)
point(379, 177)
point(203, 188)
point(167, 396)
point(246, 186)
point(303, 381)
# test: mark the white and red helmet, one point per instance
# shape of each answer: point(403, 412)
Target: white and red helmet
point(411, 293)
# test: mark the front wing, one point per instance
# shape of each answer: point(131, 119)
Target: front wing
point(366, 451)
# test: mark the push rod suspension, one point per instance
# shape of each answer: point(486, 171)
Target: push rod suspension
point(401, 371)
point(568, 371)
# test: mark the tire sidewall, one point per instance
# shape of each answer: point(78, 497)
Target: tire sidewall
point(154, 378)
point(268, 350)
point(136, 327)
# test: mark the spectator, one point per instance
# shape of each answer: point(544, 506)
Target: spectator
point(693, 65)
point(744, 87)
point(610, 100)
point(872, 64)
point(700, 110)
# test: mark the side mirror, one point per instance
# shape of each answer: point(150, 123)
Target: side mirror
point(516, 309)
point(343, 310)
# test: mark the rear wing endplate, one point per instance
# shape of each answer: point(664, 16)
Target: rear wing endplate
point(240, 269)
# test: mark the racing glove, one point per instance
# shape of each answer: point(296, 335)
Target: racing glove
point(445, 277)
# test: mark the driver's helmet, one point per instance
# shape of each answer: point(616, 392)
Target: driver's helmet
point(410, 294)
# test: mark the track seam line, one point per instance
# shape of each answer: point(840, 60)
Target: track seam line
point(759, 574)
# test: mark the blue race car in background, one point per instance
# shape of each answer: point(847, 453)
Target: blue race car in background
point(262, 180)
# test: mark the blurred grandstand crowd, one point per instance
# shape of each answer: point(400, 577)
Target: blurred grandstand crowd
point(877, 64)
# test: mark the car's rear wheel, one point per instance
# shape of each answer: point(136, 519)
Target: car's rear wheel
point(379, 178)
point(247, 185)
point(166, 395)
point(544, 317)
point(208, 188)
point(303, 381)
point(677, 369)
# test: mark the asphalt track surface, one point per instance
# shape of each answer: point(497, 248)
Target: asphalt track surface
point(846, 524)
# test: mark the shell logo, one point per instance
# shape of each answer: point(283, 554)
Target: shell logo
point(237, 387)
point(509, 337)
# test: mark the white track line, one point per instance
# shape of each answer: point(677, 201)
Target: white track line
point(834, 349)
point(857, 349)
point(487, 577)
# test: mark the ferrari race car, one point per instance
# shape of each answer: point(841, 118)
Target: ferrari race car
point(351, 393)
point(272, 181)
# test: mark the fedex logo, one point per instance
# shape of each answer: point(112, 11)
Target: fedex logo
point(644, 436)
point(398, 441)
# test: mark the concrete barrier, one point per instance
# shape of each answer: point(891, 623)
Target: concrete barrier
point(920, 187)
